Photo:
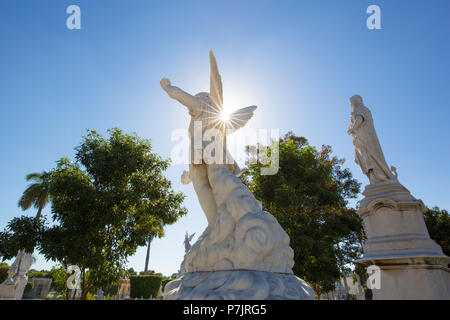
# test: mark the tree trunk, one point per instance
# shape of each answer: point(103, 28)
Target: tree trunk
point(38, 215)
point(347, 290)
point(84, 293)
point(65, 281)
point(85, 286)
point(147, 257)
point(74, 293)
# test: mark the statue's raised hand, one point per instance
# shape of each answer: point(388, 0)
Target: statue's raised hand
point(165, 83)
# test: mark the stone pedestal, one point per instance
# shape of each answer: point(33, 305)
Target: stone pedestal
point(412, 265)
point(41, 288)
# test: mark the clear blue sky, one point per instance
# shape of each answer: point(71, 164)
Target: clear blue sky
point(299, 61)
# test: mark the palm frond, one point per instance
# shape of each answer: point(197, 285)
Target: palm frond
point(36, 194)
point(35, 176)
point(29, 196)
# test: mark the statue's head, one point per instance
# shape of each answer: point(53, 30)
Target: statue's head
point(356, 100)
point(205, 97)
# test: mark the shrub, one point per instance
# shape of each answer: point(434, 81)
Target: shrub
point(144, 286)
point(111, 290)
point(39, 274)
point(90, 296)
point(3, 271)
point(29, 286)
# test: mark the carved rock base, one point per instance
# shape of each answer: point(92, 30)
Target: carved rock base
point(238, 285)
point(244, 254)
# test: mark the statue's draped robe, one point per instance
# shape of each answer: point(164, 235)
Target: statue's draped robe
point(367, 146)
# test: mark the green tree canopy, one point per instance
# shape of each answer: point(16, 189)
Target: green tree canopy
point(23, 233)
point(309, 197)
point(112, 199)
point(20, 233)
point(438, 225)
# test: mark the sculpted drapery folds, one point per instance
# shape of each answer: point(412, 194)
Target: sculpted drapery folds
point(368, 153)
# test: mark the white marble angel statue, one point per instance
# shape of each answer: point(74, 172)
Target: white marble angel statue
point(368, 153)
point(206, 111)
point(244, 253)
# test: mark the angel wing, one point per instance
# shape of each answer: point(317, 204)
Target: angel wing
point(239, 118)
point(215, 85)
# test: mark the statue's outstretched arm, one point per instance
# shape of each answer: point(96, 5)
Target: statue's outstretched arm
point(191, 102)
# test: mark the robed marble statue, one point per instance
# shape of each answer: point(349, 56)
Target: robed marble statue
point(368, 153)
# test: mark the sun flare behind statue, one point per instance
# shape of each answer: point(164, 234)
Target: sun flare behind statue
point(225, 115)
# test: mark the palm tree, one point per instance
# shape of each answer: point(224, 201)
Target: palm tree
point(147, 257)
point(36, 194)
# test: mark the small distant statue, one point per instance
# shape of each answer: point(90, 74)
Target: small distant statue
point(368, 153)
point(187, 247)
point(187, 240)
point(99, 294)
